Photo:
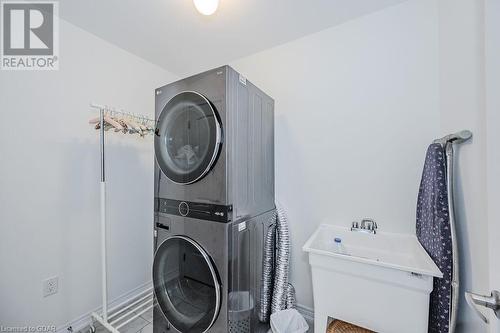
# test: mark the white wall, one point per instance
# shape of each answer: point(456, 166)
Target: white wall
point(461, 69)
point(356, 107)
point(492, 69)
point(49, 188)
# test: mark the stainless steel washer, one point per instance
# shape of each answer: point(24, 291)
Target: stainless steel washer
point(207, 275)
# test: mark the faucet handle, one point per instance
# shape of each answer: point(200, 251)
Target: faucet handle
point(368, 224)
point(355, 225)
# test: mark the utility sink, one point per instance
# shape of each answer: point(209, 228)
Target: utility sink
point(380, 281)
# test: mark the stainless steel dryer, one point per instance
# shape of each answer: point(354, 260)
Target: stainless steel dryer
point(207, 274)
point(214, 147)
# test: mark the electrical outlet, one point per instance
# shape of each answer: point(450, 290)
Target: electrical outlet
point(50, 286)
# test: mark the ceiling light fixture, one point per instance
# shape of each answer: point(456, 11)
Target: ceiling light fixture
point(206, 7)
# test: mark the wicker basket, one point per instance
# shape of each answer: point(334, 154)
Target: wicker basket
point(338, 326)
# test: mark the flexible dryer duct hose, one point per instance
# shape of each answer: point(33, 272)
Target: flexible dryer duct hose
point(291, 302)
point(282, 262)
point(276, 280)
point(267, 273)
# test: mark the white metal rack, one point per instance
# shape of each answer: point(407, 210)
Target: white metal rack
point(120, 315)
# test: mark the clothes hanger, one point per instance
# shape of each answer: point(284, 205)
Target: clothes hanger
point(142, 125)
point(125, 122)
point(113, 123)
point(109, 121)
point(136, 126)
point(126, 126)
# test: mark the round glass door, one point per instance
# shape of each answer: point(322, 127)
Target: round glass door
point(186, 285)
point(188, 137)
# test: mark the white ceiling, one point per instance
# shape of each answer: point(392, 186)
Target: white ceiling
point(172, 34)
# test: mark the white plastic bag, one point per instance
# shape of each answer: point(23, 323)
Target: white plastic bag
point(288, 321)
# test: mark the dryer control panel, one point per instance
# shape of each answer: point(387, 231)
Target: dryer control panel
point(197, 210)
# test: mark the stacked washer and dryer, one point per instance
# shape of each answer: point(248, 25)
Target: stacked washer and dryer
point(214, 202)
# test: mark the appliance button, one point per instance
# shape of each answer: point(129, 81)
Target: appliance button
point(183, 208)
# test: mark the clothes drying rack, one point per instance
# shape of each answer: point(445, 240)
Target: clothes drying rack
point(121, 314)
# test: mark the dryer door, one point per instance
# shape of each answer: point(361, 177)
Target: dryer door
point(188, 137)
point(186, 285)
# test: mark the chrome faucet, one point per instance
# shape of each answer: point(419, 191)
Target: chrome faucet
point(367, 225)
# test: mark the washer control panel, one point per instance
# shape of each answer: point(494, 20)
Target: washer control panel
point(196, 210)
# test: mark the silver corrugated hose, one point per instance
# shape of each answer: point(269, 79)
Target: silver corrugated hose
point(281, 288)
point(291, 302)
point(276, 293)
point(267, 273)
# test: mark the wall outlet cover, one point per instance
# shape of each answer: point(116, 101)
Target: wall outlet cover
point(50, 286)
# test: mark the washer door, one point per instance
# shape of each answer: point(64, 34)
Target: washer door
point(188, 137)
point(186, 285)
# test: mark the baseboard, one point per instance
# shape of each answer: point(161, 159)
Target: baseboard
point(85, 319)
point(307, 312)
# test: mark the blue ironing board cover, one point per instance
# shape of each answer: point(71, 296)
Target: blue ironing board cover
point(434, 233)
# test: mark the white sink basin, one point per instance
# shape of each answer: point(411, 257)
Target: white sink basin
point(398, 251)
point(381, 282)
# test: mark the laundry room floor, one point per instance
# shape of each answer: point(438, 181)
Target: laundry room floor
point(144, 324)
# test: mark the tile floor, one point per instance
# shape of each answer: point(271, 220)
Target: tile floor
point(143, 324)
